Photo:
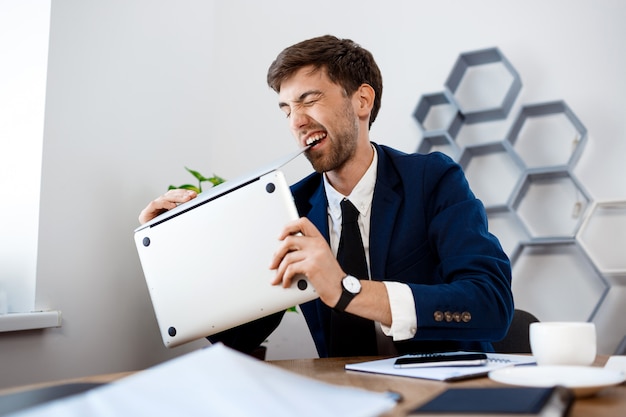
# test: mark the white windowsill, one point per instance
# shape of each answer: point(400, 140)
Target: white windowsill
point(11, 322)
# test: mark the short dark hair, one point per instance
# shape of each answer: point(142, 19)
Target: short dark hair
point(347, 64)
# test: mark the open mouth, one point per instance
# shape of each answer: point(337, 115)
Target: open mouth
point(314, 140)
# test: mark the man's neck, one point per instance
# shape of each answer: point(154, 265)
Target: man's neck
point(347, 176)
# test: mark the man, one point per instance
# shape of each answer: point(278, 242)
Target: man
point(435, 279)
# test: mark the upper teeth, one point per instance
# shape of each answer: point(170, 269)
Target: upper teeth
point(315, 138)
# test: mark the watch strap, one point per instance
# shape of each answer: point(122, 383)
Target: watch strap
point(344, 299)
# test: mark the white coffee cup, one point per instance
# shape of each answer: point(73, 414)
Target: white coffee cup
point(563, 343)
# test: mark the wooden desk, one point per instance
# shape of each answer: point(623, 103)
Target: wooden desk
point(610, 402)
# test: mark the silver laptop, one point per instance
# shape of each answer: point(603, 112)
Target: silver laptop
point(206, 261)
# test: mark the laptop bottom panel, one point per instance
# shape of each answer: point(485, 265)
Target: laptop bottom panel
point(207, 268)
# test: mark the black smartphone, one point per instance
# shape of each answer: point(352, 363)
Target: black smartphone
point(455, 359)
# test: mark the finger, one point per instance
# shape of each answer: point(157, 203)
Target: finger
point(166, 202)
point(291, 265)
point(289, 244)
point(154, 209)
point(302, 226)
point(291, 228)
point(178, 195)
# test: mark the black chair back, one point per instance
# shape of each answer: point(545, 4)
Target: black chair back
point(517, 339)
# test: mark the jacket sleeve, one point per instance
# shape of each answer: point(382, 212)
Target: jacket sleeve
point(472, 298)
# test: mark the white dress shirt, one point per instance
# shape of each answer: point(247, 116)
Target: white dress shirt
point(403, 314)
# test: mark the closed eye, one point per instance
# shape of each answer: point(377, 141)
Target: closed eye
point(306, 99)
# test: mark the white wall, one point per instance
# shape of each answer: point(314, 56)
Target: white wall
point(139, 89)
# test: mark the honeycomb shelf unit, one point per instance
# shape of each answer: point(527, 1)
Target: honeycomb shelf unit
point(536, 192)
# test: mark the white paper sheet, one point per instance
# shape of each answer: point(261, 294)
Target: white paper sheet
point(446, 373)
point(217, 381)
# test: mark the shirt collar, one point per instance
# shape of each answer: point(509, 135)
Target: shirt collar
point(361, 196)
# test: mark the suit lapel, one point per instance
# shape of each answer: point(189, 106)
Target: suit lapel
point(385, 205)
point(318, 214)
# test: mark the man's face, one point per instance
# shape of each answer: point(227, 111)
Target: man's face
point(318, 109)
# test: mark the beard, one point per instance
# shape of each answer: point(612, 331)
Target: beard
point(343, 143)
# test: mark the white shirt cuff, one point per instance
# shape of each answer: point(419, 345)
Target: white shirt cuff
point(403, 314)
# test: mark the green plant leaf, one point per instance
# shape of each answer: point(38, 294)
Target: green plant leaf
point(196, 174)
point(185, 187)
point(215, 180)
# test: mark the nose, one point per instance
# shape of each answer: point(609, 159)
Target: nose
point(298, 119)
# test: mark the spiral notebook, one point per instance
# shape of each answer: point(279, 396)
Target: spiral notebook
point(442, 373)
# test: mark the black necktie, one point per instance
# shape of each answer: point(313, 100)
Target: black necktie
point(351, 254)
point(351, 335)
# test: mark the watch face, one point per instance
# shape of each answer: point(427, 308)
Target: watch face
point(352, 284)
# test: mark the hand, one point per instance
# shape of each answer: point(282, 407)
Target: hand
point(166, 202)
point(305, 251)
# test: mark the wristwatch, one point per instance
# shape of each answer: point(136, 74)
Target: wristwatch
point(350, 287)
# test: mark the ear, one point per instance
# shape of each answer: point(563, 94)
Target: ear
point(364, 100)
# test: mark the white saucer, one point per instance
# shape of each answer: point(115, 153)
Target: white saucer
point(582, 380)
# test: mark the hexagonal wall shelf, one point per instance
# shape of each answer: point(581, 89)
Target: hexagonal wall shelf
point(440, 142)
point(505, 224)
point(484, 85)
point(547, 135)
point(482, 133)
point(557, 281)
point(480, 162)
point(603, 236)
point(550, 204)
point(436, 112)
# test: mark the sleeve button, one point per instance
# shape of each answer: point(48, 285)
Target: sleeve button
point(438, 316)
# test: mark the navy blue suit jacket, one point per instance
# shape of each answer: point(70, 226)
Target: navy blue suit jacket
point(429, 231)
